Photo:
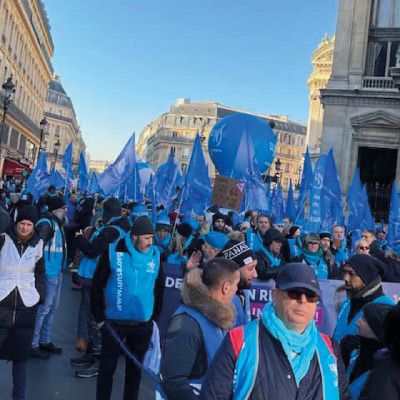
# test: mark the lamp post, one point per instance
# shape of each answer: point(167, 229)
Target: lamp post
point(8, 93)
point(56, 148)
point(299, 170)
point(277, 170)
point(43, 132)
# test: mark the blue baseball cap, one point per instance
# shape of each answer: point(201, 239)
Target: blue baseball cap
point(216, 239)
point(298, 275)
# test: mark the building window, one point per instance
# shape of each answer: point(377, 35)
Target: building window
point(382, 55)
point(174, 135)
point(185, 151)
point(287, 167)
point(183, 168)
point(386, 14)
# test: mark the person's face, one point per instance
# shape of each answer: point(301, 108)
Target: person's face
point(364, 329)
point(202, 220)
point(209, 252)
point(124, 212)
point(60, 213)
point(351, 280)
point(24, 229)
point(297, 233)
point(313, 246)
point(362, 247)
point(293, 307)
point(338, 233)
point(253, 220)
point(229, 288)
point(219, 223)
point(382, 236)
point(325, 242)
point(162, 234)
point(368, 236)
point(247, 274)
point(275, 246)
point(3, 195)
point(263, 224)
point(143, 242)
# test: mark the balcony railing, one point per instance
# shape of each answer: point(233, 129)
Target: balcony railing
point(378, 83)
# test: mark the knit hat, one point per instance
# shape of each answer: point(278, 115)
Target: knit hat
point(218, 215)
point(56, 202)
point(293, 229)
point(27, 213)
point(375, 315)
point(111, 209)
point(142, 226)
point(272, 234)
point(216, 239)
point(184, 229)
point(312, 237)
point(323, 235)
point(238, 252)
point(366, 267)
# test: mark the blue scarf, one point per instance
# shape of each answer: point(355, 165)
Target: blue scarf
point(275, 261)
point(163, 243)
point(299, 348)
point(342, 253)
point(316, 260)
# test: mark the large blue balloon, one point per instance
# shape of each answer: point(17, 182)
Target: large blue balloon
point(226, 137)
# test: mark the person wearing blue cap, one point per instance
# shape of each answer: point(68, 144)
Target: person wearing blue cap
point(162, 237)
point(213, 244)
point(282, 355)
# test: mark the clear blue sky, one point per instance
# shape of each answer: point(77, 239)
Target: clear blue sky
point(124, 62)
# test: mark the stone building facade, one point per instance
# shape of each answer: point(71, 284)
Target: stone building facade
point(26, 49)
point(177, 128)
point(361, 103)
point(62, 126)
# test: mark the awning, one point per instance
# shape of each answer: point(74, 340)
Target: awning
point(14, 168)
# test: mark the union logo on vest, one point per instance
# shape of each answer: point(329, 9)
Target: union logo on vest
point(151, 266)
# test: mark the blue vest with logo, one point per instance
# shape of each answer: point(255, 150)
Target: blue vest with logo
point(87, 266)
point(243, 314)
point(129, 290)
point(54, 252)
point(343, 327)
point(246, 367)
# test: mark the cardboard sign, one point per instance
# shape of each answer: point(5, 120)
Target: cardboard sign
point(228, 192)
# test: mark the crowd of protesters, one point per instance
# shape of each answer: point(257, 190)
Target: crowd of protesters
point(213, 348)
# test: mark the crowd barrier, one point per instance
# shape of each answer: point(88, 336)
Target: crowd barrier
point(332, 295)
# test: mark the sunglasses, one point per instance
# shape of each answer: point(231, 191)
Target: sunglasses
point(364, 248)
point(297, 294)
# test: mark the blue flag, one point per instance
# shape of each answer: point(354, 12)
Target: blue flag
point(151, 195)
point(277, 205)
point(355, 203)
point(112, 180)
point(67, 161)
point(94, 187)
point(39, 179)
point(305, 185)
point(290, 204)
point(196, 195)
point(131, 186)
point(83, 180)
point(369, 222)
point(394, 217)
point(331, 195)
point(57, 179)
point(168, 178)
point(315, 219)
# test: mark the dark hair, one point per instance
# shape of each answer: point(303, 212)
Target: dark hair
point(392, 332)
point(371, 231)
point(217, 270)
point(249, 213)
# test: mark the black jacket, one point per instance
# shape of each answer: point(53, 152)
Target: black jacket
point(265, 270)
point(100, 279)
point(384, 380)
point(274, 381)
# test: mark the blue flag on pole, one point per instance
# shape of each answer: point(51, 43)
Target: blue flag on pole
point(355, 203)
point(369, 222)
point(114, 177)
point(290, 204)
point(331, 195)
point(39, 179)
point(83, 180)
point(94, 187)
point(277, 205)
point(168, 178)
point(196, 195)
point(56, 179)
point(67, 161)
point(394, 217)
point(305, 185)
point(151, 195)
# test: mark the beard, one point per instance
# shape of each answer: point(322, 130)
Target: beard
point(244, 284)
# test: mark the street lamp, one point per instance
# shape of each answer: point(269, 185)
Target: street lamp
point(56, 148)
point(43, 132)
point(299, 170)
point(8, 93)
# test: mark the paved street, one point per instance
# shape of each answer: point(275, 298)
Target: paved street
point(53, 378)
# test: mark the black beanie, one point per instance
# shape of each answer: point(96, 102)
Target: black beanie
point(56, 202)
point(375, 314)
point(112, 207)
point(272, 234)
point(238, 252)
point(323, 235)
point(184, 229)
point(142, 226)
point(368, 268)
point(293, 229)
point(218, 215)
point(28, 213)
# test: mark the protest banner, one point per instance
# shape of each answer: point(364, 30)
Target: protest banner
point(228, 193)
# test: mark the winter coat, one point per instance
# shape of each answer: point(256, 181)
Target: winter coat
point(184, 356)
point(17, 321)
point(265, 269)
point(275, 379)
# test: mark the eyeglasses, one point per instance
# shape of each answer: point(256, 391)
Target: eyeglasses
point(364, 248)
point(297, 294)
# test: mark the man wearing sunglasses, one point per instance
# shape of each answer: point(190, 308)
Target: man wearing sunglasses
point(282, 356)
